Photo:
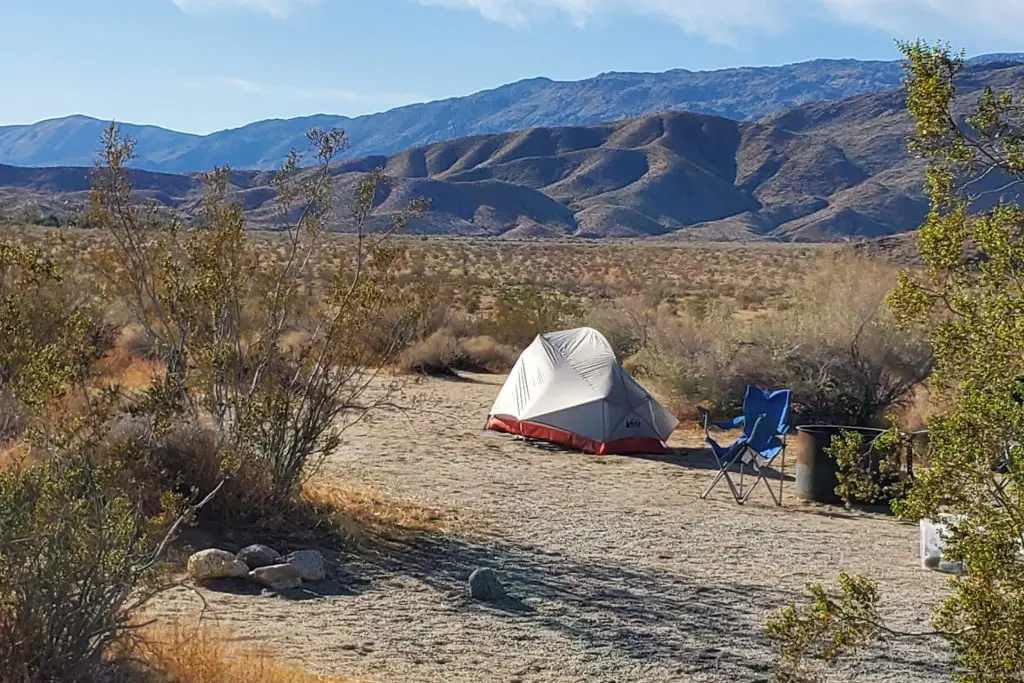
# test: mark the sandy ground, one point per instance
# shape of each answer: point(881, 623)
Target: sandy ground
point(617, 571)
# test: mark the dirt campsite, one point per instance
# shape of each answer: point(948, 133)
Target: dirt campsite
point(615, 569)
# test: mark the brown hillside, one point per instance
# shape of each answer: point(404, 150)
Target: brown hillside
point(820, 172)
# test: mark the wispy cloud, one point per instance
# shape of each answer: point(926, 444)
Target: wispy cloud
point(726, 21)
point(293, 93)
point(998, 17)
point(718, 21)
point(275, 8)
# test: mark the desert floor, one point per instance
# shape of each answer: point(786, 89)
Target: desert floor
point(616, 570)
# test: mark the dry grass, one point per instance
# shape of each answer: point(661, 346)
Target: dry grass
point(206, 655)
point(128, 364)
point(359, 511)
point(12, 456)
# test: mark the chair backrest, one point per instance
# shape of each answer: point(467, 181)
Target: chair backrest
point(773, 409)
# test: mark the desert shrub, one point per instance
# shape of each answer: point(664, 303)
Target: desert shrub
point(484, 354)
point(869, 472)
point(523, 311)
point(973, 312)
point(182, 462)
point(627, 323)
point(74, 564)
point(276, 368)
point(444, 352)
point(840, 348)
point(439, 354)
point(694, 361)
point(52, 333)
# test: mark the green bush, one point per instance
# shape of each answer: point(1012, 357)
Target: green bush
point(523, 311)
point(223, 319)
point(869, 472)
point(972, 310)
point(75, 562)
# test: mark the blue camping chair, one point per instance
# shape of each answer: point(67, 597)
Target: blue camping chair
point(764, 422)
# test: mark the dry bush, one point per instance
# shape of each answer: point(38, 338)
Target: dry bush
point(627, 322)
point(839, 346)
point(439, 354)
point(179, 654)
point(836, 346)
point(695, 360)
point(523, 311)
point(444, 353)
point(483, 353)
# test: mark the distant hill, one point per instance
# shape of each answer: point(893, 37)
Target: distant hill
point(819, 172)
point(741, 94)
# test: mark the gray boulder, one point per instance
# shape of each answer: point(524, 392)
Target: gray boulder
point(310, 564)
point(277, 577)
point(215, 564)
point(256, 556)
point(484, 585)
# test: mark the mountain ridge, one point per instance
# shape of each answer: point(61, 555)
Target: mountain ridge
point(824, 171)
point(744, 93)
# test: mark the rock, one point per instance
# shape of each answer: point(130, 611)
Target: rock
point(932, 561)
point(278, 577)
point(215, 564)
point(256, 556)
point(484, 585)
point(310, 564)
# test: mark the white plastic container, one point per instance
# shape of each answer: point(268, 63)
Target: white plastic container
point(933, 542)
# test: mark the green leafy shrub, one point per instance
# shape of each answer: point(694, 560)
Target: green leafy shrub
point(75, 564)
point(970, 302)
point(869, 472)
point(522, 311)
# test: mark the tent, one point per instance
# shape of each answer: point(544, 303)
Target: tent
point(567, 388)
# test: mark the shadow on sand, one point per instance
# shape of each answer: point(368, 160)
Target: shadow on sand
point(693, 627)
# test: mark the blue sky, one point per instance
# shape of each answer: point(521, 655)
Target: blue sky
point(204, 65)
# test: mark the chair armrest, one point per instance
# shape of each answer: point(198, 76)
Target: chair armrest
point(705, 417)
point(734, 423)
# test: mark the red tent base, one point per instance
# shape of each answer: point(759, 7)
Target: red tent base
point(629, 446)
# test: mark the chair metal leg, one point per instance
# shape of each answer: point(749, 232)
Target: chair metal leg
point(723, 471)
point(782, 471)
point(760, 477)
point(760, 472)
point(742, 466)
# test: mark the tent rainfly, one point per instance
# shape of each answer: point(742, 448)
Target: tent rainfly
point(567, 388)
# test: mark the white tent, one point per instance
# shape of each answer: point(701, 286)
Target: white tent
point(568, 388)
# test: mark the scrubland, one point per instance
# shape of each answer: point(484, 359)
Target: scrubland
point(168, 386)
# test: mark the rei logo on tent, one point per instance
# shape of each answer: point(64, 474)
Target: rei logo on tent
point(567, 388)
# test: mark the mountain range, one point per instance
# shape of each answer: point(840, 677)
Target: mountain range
point(741, 94)
point(825, 170)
